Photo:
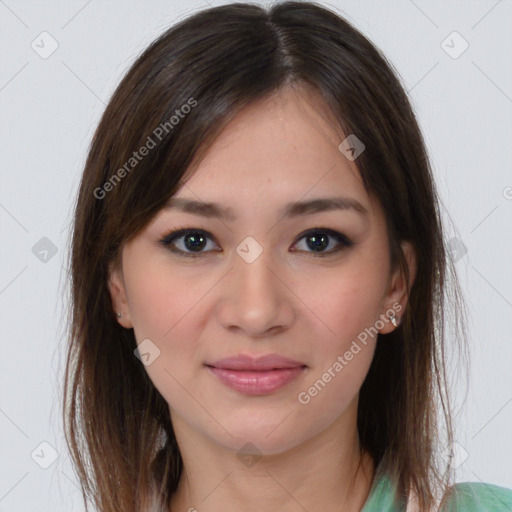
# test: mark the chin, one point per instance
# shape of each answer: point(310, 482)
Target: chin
point(270, 439)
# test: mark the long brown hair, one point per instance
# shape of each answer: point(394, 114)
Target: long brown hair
point(175, 100)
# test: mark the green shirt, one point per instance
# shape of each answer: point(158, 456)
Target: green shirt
point(465, 497)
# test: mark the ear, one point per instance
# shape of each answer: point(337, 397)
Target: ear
point(117, 291)
point(397, 296)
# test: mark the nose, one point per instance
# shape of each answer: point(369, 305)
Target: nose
point(256, 301)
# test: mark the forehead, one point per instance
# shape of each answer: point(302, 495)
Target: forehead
point(279, 149)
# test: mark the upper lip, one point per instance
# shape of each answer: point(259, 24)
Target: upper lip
point(261, 363)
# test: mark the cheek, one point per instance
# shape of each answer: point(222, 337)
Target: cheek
point(164, 306)
point(161, 300)
point(342, 353)
point(344, 309)
point(345, 305)
point(168, 308)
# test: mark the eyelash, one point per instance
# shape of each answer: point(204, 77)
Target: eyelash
point(168, 240)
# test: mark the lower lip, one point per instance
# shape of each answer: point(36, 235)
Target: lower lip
point(256, 382)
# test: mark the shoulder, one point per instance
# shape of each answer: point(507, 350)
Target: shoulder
point(478, 497)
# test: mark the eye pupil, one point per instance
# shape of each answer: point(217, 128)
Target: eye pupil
point(194, 241)
point(319, 241)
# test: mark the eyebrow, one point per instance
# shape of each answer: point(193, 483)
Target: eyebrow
point(324, 204)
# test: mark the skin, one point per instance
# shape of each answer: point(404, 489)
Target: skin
point(291, 302)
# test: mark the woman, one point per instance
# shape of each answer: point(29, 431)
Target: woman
point(259, 280)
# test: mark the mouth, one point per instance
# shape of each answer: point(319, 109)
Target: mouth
point(256, 376)
point(261, 363)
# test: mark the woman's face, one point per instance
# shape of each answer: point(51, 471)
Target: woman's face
point(263, 278)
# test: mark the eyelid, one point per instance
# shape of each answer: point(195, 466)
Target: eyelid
point(184, 231)
point(331, 232)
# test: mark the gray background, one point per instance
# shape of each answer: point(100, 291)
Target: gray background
point(49, 110)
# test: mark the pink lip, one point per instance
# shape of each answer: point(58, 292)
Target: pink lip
point(261, 363)
point(256, 376)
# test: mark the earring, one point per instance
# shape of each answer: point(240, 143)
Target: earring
point(394, 319)
point(119, 315)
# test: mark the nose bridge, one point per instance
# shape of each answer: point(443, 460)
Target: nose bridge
point(255, 272)
point(254, 277)
point(257, 298)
